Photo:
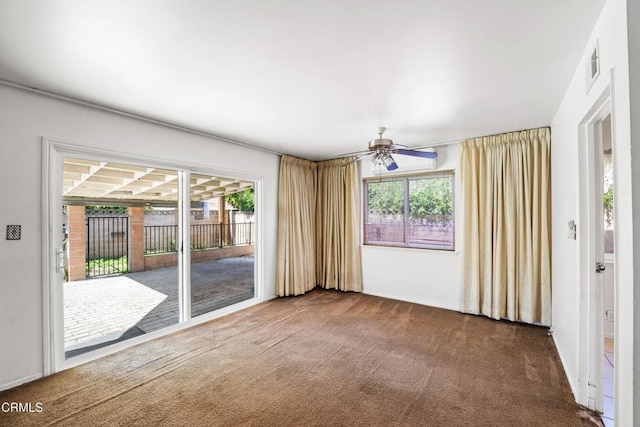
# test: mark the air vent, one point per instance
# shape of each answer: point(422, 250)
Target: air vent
point(592, 67)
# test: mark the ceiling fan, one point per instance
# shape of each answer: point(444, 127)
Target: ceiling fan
point(380, 153)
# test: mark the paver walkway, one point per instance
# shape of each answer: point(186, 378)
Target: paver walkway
point(98, 312)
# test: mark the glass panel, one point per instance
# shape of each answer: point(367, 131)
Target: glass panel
point(120, 232)
point(385, 212)
point(222, 242)
point(431, 212)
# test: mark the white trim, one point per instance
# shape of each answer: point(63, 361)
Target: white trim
point(47, 351)
point(52, 315)
point(258, 263)
point(444, 252)
point(21, 381)
point(90, 153)
point(567, 372)
point(591, 334)
point(616, 251)
point(412, 300)
point(184, 253)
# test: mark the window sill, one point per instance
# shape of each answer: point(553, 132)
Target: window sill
point(409, 248)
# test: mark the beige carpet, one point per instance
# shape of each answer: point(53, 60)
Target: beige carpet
point(323, 359)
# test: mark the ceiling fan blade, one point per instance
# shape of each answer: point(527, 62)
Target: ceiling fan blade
point(392, 165)
point(425, 154)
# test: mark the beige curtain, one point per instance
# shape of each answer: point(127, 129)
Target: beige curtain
point(507, 227)
point(296, 268)
point(337, 224)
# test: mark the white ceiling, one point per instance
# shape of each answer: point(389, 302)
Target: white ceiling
point(307, 78)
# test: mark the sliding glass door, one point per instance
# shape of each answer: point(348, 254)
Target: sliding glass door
point(138, 248)
point(121, 225)
point(222, 242)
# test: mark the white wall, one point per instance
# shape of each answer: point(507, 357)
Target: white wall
point(423, 276)
point(24, 119)
point(610, 31)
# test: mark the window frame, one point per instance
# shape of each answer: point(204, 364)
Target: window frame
point(405, 178)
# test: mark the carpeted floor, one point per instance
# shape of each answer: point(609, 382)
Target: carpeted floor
point(323, 359)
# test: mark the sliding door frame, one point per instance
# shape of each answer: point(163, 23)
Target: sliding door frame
point(53, 153)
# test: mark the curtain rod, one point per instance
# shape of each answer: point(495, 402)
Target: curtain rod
point(134, 116)
point(457, 141)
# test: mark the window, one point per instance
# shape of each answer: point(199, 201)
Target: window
point(411, 211)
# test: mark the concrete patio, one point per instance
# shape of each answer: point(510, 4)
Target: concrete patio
point(99, 312)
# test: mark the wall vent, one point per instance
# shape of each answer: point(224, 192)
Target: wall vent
point(592, 66)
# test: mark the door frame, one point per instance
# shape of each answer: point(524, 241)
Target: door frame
point(53, 152)
point(591, 316)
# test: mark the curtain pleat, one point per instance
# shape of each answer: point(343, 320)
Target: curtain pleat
point(507, 228)
point(338, 243)
point(318, 226)
point(296, 272)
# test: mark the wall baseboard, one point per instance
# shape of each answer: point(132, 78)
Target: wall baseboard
point(413, 300)
point(572, 384)
point(270, 297)
point(21, 381)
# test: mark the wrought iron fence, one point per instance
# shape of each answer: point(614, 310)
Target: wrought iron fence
point(107, 245)
point(160, 239)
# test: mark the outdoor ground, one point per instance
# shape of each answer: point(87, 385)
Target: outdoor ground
point(101, 311)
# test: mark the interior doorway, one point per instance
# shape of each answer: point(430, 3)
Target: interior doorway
point(608, 275)
point(596, 251)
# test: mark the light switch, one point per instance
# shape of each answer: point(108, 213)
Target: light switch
point(572, 234)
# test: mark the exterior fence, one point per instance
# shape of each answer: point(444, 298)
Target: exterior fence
point(107, 241)
point(433, 231)
point(115, 240)
point(107, 245)
point(159, 239)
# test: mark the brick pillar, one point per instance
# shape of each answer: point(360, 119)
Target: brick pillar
point(77, 243)
point(136, 238)
point(223, 218)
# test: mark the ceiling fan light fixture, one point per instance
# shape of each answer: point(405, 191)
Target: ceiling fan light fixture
point(389, 163)
point(377, 165)
point(374, 160)
point(381, 150)
point(382, 161)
